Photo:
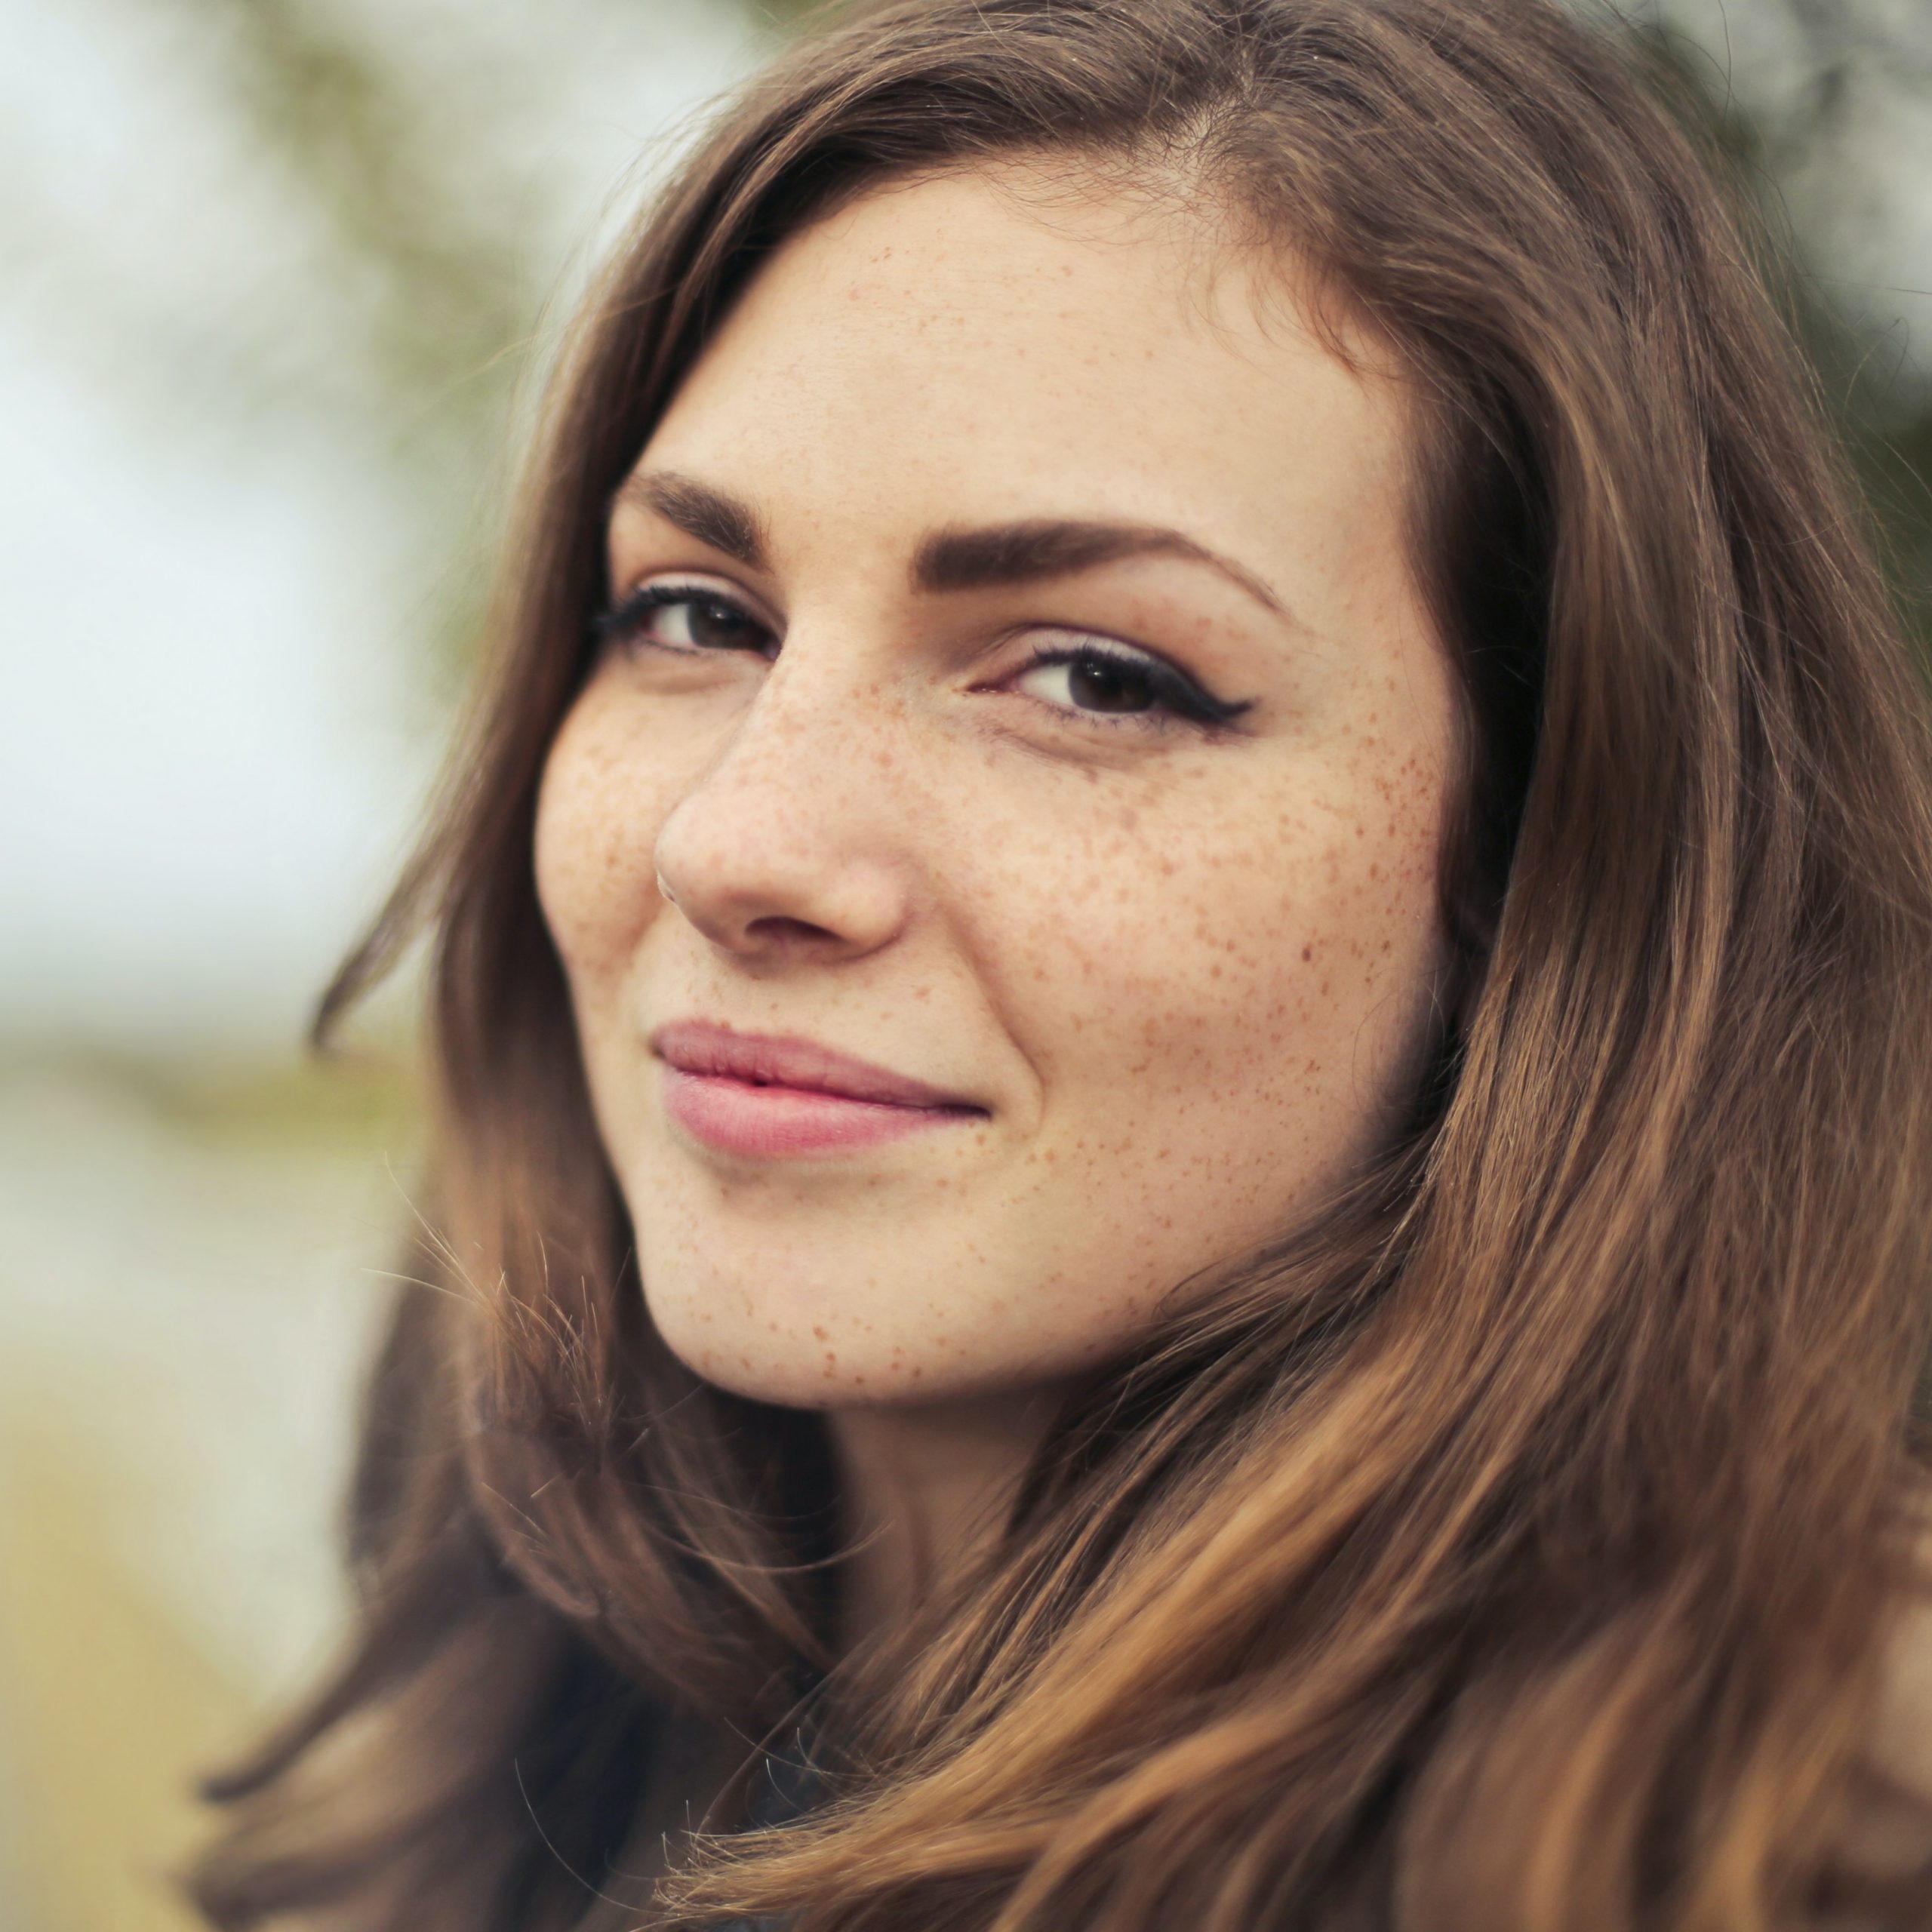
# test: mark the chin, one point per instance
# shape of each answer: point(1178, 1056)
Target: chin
point(824, 1356)
point(800, 1368)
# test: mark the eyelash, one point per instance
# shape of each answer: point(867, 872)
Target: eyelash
point(625, 619)
point(1178, 695)
point(1182, 698)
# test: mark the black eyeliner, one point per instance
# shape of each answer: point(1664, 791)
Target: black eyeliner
point(1174, 687)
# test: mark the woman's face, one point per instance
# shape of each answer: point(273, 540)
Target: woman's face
point(994, 857)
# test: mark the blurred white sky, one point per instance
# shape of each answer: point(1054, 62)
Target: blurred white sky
point(215, 731)
point(216, 727)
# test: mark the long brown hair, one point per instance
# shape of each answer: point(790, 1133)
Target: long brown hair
point(1515, 1550)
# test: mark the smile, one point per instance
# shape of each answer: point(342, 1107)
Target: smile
point(765, 1096)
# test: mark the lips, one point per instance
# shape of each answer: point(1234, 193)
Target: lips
point(763, 1095)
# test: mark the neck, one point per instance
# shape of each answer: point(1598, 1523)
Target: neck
point(927, 1491)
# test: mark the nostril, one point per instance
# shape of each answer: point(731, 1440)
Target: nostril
point(775, 929)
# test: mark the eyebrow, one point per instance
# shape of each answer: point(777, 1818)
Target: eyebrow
point(697, 509)
point(1040, 547)
point(1023, 551)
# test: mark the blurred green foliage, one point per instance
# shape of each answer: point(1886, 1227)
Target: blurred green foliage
point(445, 260)
point(448, 277)
point(1881, 405)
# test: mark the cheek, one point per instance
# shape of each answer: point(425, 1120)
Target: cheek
point(597, 825)
point(1260, 968)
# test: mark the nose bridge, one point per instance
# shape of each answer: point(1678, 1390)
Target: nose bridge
point(786, 822)
point(808, 724)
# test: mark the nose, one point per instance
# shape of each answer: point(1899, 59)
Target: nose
point(788, 842)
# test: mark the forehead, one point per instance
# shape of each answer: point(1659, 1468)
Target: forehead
point(1010, 343)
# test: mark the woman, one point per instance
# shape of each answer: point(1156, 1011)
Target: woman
point(1183, 1039)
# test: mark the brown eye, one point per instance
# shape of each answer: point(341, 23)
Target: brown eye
point(1096, 684)
point(678, 617)
point(1098, 679)
point(711, 624)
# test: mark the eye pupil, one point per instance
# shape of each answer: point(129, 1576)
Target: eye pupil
point(1096, 685)
point(717, 625)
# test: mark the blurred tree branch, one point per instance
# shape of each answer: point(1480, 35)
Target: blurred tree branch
point(1881, 401)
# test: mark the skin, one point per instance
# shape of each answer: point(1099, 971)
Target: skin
point(1183, 970)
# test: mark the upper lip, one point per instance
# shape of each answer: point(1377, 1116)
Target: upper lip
point(771, 1059)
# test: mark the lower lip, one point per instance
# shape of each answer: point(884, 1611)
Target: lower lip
point(739, 1117)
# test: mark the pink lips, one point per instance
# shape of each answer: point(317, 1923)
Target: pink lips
point(757, 1094)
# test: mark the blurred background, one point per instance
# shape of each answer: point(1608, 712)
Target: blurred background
point(272, 274)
